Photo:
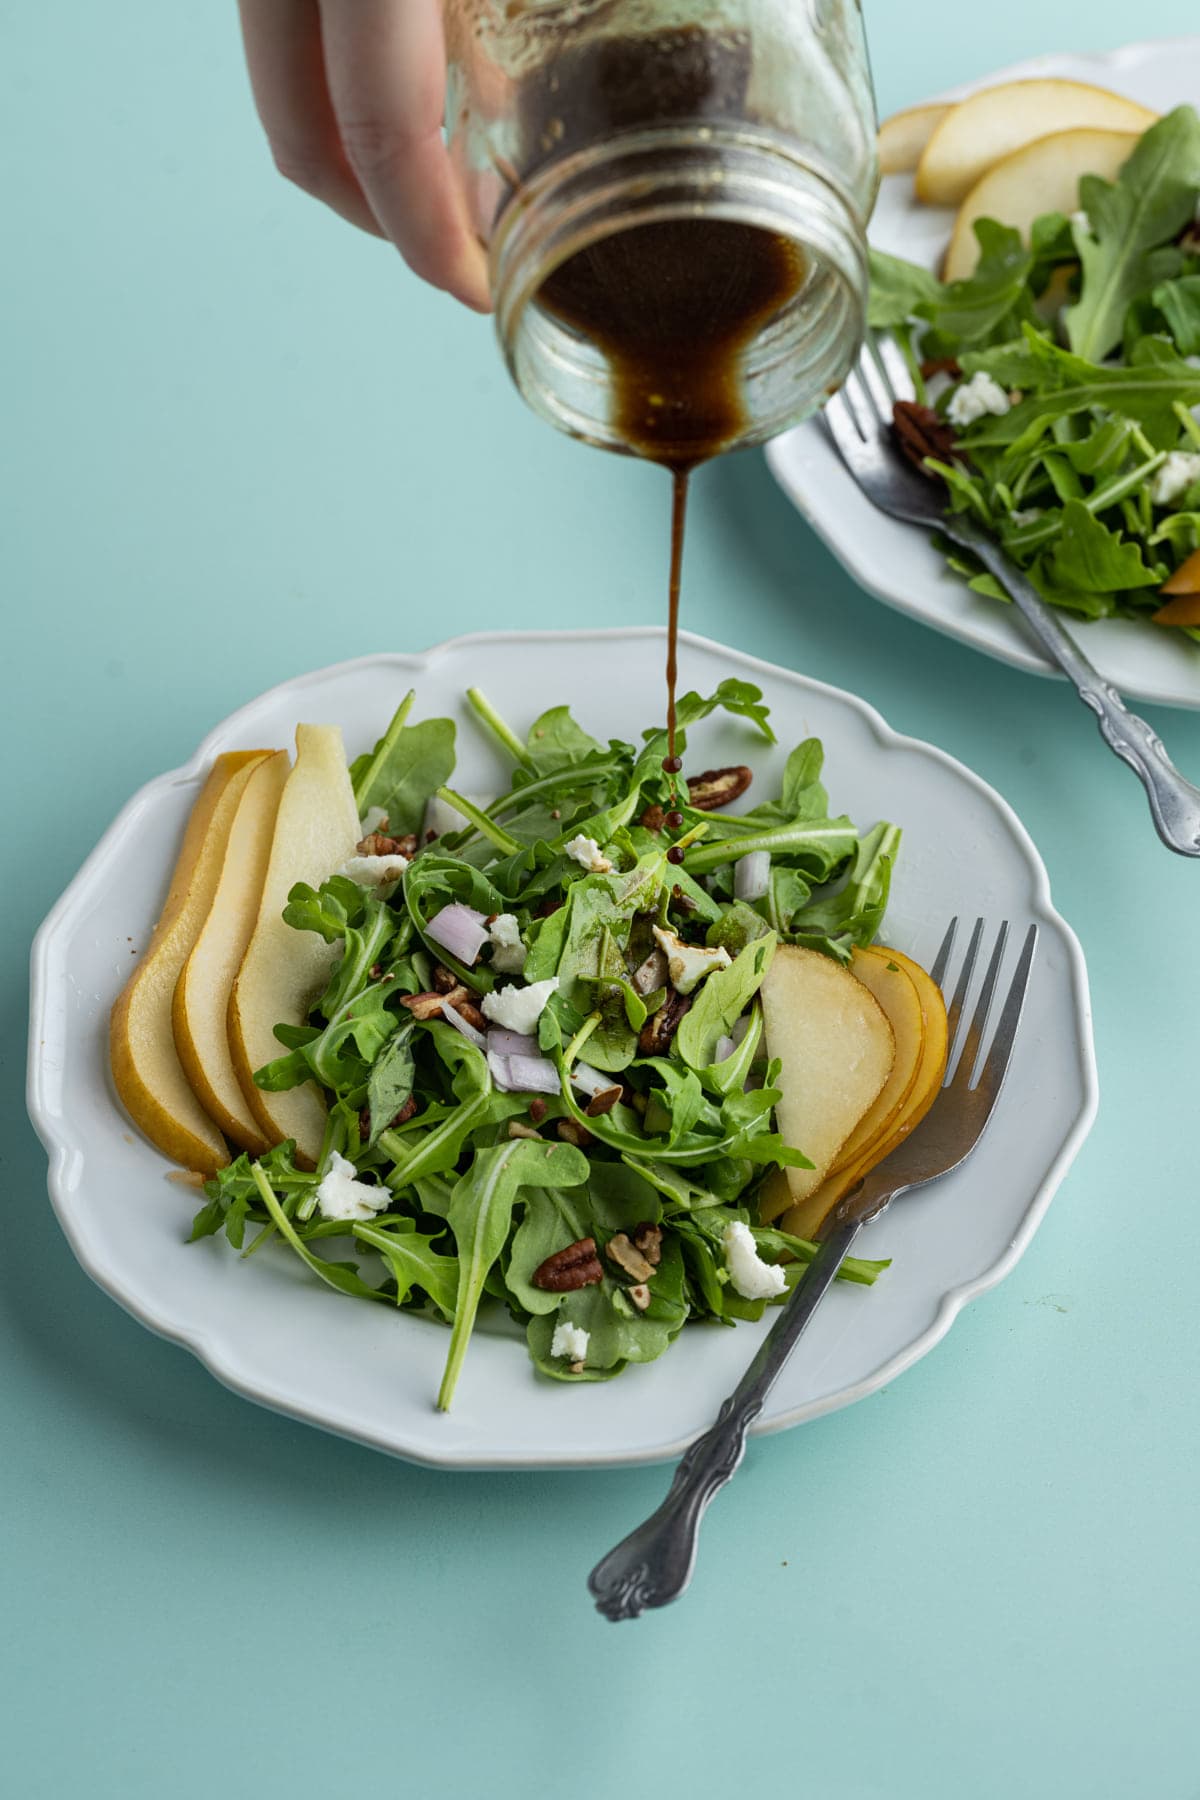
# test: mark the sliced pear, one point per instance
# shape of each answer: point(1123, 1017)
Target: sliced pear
point(146, 1069)
point(807, 1218)
point(1184, 609)
point(988, 126)
point(201, 1004)
point(1042, 177)
point(903, 137)
point(896, 992)
point(1185, 580)
point(283, 970)
point(836, 1049)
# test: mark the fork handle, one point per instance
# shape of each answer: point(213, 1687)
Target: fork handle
point(654, 1564)
point(1174, 802)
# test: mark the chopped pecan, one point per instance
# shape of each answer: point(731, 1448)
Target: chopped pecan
point(622, 1252)
point(538, 1110)
point(443, 981)
point(548, 907)
point(467, 1009)
point(517, 1130)
point(572, 1132)
point(683, 901)
point(651, 974)
point(921, 433)
point(941, 365)
point(640, 1294)
point(429, 1006)
point(604, 1101)
point(713, 791)
point(652, 818)
point(660, 1027)
point(577, 1266)
point(377, 843)
point(648, 1239)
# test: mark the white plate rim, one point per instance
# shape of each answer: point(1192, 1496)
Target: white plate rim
point(66, 1159)
point(871, 571)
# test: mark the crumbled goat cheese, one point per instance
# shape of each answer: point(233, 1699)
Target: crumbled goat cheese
point(753, 1278)
point(975, 398)
point(341, 1196)
point(1027, 515)
point(589, 855)
point(375, 820)
point(519, 1008)
point(1080, 221)
point(1179, 471)
point(373, 871)
point(688, 964)
point(570, 1341)
point(508, 952)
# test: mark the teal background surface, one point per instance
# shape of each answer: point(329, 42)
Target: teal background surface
point(238, 442)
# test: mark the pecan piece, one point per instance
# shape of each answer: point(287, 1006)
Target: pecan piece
point(429, 1006)
point(444, 981)
point(572, 1132)
point(640, 1294)
point(407, 1111)
point(941, 365)
point(377, 843)
point(622, 1252)
point(604, 1101)
point(575, 1267)
point(538, 1110)
point(467, 1009)
point(921, 433)
point(652, 818)
point(713, 791)
point(517, 1130)
point(648, 1239)
point(660, 1027)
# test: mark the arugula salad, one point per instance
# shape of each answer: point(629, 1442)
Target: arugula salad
point(541, 1043)
point(1069, 423)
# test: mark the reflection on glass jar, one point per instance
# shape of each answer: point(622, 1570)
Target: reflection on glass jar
point(675, 198)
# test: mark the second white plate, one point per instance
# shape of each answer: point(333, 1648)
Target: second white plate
point(897, 563)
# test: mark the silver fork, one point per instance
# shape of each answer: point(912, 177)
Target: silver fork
point(859, 420)
point(654, 1564)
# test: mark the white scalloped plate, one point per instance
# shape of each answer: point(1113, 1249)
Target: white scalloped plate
point(897, 563)
point(268, 1331)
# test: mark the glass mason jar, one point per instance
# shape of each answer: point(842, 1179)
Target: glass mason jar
point(677, 138)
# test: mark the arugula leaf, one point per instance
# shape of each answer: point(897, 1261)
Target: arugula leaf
point(481, 1216)
point(899, 290)
point(1090, 557)
point(390, 1082)
point(404, 771)
point(617, 1332)
point(721, 1001)
point(1179, 303)
point(1151, 201)
point(412, 1261)
point(556, 742)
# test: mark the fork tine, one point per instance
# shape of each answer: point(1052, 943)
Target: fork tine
point(995, 1065)
point(954, 1010)
point(843, 421)
point(873, 377)
point(942, 959)
point(896, 369)
point(974, 1036)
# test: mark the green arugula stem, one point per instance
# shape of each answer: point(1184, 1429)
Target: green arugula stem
point(363, 787)
point(499, 728)
point(581, 1037)
point(288, 1231)
point(488, 828)
point(1188, 420)
point(785, 837)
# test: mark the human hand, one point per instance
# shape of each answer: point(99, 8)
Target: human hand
point(351, 94)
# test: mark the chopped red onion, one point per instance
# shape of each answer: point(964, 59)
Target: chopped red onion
point(523, 1074)
point(511, 1043)
point(590, 1081)
point(725, 1048)
point(752, 875)
point(464, 1025)
point(460, 930)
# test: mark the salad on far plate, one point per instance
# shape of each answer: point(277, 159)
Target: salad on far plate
point(601, 1050)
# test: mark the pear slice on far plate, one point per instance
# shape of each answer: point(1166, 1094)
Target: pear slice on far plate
point(903, 137)
point(1040, 178)
point(147, 1071)
point(986, 127)
point(284, 970)
point(201, 1004)
point(836, 1049)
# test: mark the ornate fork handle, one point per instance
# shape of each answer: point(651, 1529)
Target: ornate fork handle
point(1174, 802)
point(654, 1564)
